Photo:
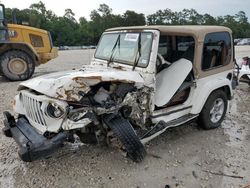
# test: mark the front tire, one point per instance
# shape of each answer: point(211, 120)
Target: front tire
point(124, 131)
point(213, 111)
point(17, 65)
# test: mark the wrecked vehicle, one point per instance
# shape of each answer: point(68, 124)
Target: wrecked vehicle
point(141, 81)
point(242, 70)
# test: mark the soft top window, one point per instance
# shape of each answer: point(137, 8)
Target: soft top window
point(216, 50)
point(173, 48)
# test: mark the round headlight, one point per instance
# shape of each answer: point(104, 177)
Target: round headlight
point(54, 110)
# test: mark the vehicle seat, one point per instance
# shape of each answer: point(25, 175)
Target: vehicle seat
point(161, 63)
point(206, 59)
point(189, 54)
point(213, 59)
point(224, 54)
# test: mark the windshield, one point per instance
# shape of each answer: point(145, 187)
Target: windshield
point(127, 48)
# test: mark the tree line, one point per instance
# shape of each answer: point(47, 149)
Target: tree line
point(66, 30)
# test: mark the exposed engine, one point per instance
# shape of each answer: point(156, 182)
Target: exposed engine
point(107, 98)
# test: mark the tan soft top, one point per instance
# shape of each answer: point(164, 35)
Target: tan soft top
point(194, 30)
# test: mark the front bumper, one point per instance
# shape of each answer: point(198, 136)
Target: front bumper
point(32, 145)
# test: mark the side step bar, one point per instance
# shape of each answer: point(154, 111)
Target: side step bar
point(161, 127)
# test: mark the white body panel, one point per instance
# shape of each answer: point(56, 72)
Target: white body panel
point(169, 116)
point(205, 86)
point(145, 140)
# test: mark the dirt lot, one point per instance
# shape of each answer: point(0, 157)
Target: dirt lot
point(185, 156)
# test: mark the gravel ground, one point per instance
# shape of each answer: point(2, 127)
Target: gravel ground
point(186, 156)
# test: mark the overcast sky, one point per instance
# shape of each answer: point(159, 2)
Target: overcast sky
point(84, 7)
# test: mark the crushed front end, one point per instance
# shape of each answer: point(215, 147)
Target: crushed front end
point(44, 122)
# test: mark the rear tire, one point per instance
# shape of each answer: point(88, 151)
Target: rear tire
point(17, 65)
point(213, 111)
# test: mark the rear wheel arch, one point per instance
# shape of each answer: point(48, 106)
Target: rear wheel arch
point(225, 89)
point(214, 110)
point(197, 108)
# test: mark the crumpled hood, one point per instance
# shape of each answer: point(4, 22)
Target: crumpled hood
point(66, 85)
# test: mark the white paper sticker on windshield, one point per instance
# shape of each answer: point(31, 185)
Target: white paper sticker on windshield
point(131, 37)
point(144, 61)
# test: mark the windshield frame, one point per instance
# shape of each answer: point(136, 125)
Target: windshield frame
point(128, 63)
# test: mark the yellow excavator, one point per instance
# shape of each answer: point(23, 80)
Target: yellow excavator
point(22, 48)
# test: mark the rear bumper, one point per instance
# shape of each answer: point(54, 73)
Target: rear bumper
point(32, 145)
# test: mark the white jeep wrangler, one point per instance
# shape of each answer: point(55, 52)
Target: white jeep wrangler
point(141, 81)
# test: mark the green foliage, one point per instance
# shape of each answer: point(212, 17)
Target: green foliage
point(132, 18)
point(66, 30)
point(238, 22)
